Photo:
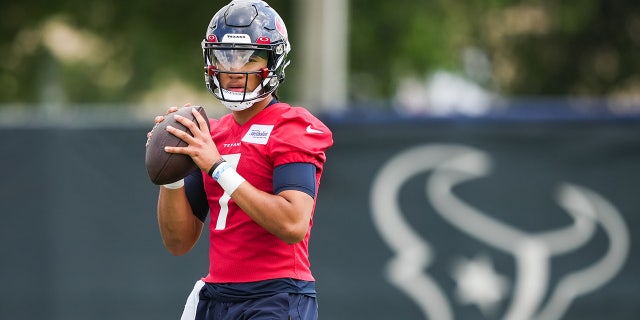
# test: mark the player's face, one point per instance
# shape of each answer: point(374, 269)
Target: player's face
point(241, 63)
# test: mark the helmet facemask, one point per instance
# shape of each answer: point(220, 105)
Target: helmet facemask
point(249, 64)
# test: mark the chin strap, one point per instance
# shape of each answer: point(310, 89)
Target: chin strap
point(241, 104)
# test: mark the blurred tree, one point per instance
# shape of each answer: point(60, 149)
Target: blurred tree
point(98, 50)
point(534, 48)
point(120, 51)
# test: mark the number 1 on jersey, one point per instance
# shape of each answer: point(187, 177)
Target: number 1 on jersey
point(221, 223)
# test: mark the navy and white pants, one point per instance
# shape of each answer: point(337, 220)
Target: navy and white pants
point(205, 304)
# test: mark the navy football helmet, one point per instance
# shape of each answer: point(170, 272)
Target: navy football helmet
point(238, 31)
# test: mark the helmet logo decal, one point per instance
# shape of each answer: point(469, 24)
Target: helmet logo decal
point(280, 27)
point(263, 40)
point(212, 38)
point(236, 38)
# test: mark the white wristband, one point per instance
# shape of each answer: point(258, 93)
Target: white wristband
point(227, 177)
point(174, 185)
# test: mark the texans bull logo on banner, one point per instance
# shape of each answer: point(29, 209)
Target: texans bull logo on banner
point(527, 292)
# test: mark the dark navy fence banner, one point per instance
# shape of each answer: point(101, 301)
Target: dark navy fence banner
point(418, 219)
point(481, 220)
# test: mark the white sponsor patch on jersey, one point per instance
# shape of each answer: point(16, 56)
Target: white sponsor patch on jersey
point(258, 133)
point(236, 38)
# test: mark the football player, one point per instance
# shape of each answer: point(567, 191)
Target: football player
point(260, 169)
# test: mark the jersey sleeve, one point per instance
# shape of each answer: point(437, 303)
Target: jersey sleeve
point(300, 137)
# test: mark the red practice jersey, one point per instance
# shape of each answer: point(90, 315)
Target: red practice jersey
point(240, 249)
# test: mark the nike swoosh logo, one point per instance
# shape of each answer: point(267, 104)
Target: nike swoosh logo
point(312, 130)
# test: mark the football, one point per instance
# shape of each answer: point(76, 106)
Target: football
point(164, 167)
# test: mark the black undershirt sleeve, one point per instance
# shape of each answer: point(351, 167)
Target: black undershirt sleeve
point(194, 188)
point(299, 176)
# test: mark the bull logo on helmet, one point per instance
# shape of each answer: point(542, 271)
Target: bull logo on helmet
point(282, 29)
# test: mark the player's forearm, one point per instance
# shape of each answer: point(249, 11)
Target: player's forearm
point(179, 228)
point(286, 215)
